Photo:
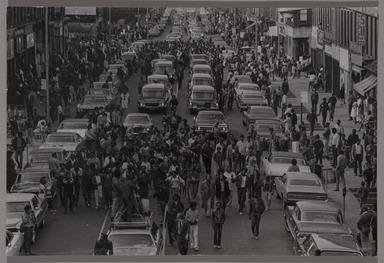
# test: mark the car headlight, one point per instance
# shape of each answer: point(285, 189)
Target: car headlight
point(215, 104)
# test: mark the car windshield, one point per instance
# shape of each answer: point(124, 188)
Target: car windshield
point(203, 71)
point(161, 68)
point(252, 96)
point(153, 93)
point(275, 127)
point(73, 126)
point(44, 157)
point(287, 160)
point(16, 207)
point(260, 111)
point(321, 216)
point(100, 92)
point(340, 254)
point(205, 95)
point(200, 81)
point(244, 80)
point(304, 182)
point(94, 100)
point(242, 88)
point(30, 178)
point(137, 120)
point(210, 117)
point(62, 139)
point(162, 81)
point(199, 62)
point(131, 240)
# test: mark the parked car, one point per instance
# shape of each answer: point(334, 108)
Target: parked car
point(138, 122)
point(199, 56)
point(168, 57)
point(204, 69)
point(297, 186)
point(241, 88)
point(159, 78)
point(15, 203)
point(206, 120)
point(166, 66)
point(78, 126)
point(39, 157)
point(200, 79)
point(277, 163)
point(154, 61)
point(13, 243)
point(71, 142)
point(137, 239)
point(255, 113)
point(28, 181)
point(198, 62)
point(262, 127)
point(90, 102)
point(103, 92)
point(202, 97)
point(333, 245)
point(153, 97)
point(251, 98)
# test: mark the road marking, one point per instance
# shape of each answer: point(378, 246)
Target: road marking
point(105, 221)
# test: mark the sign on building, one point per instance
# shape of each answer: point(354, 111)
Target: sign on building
point(362, 29)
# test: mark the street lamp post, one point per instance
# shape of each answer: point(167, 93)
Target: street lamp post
point(47, 63)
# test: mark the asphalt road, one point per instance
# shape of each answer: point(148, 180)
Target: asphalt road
point(76, 232)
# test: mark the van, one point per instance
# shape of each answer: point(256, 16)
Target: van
point(166, 66)
point(200, 79)
point(153, 97)
point(205, 69)
point(159, 78)
point(202, 97)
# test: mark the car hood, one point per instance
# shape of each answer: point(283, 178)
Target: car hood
point(134, 251)
point(27, 187)
point(278, 169)
point(202, 101)
point(71, 147)
point(141, 125)
point(209, 124)
point(323, 228)
point(90, 106)
point(253, 101)
point(13, 220)
point(151, 100)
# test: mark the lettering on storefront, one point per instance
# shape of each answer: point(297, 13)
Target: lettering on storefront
point(361, 29)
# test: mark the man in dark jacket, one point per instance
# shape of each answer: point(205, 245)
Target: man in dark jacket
point(19, 144)
point(314, 100)
point(257, 208)
point(222, 188)
point(174, 208)
point(243, 183)
point(285, 86)
point(162, 196)
point(103, 246)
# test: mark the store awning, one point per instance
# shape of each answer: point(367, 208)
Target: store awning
point(366, 85)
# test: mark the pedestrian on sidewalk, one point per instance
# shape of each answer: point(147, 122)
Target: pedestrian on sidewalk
point(192, 217)
point(354, 110)
point(19, 144)
point(314, 100)
point(332, 105)
point(257, 208)
point(312, 119)
point(341, 96)
point(342, 164)
point(340, 129)
point(318, 148)
point(363, 194)
point(335, 146)
point(368, 175)
point(357, 156)
point(324, 108)
point(29, 221)
point(218, 219)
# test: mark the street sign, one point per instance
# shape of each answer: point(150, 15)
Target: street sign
point(304, 97)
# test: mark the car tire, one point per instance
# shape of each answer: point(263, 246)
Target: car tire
point(42, 223)
point(286, 225)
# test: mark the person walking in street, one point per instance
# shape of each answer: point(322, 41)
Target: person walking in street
point(242, 183)
point(368, 175)
point(332, 105)
point(69, 192)
point(206, 155)
point(326, 137)
point(192, 217)
point(335, 146)
point(257, 208)
point(207, 190)
point(97, 189)
point(174, 208)
point(222, 188)
point(267, 191)
point(312, 119)
point(116, 193)
point(324, 108)
point(182, 233)
point(230, 176)
point(357, 157)
point(342, 164)
point(124, 102)
point(218, 219)
point(29, 221)
point(242, 146)
point(19, 144)
point(162, 197)
point(77, 174)
point(176, 183)
point(318, 148)
point(364, 225)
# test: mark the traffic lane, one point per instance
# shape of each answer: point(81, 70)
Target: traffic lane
point(74, 233)
point(236, 236)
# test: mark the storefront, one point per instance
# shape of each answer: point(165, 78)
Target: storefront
point(30, 41)
point(11, 63)
point(295, 40)
point(344, 63)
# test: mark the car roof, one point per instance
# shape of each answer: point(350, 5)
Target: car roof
point(215, 112)
point(201, 75)
point(244, 84)
point(94, 96)
point(167, 56)
point(335, 242)
point(19, 197)
point(164, 62)
point(267, 122)
point(201, 66)
point(199, 59)
point(130, 231)
point(202, 88)
point(62, 134)
point(287, 154)
point(48, 150)
point(154, 85)
point(313, 205)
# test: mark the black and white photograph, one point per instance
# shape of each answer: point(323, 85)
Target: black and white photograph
point(199, 131)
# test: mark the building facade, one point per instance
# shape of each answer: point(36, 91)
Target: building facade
point(294, 30)
point(26, 38)
point(345, 42)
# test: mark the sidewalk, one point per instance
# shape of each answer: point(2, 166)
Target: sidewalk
point(352, 205)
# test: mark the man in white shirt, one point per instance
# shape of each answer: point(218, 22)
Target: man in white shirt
point(357, 155)
point(242, 146)
point(125, 99)
point(339, 128)
point(335, 145)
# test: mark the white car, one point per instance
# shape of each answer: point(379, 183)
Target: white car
point(69, 141)
point(13, 243)
point(78, 126)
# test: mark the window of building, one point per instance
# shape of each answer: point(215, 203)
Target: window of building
point(303, 16)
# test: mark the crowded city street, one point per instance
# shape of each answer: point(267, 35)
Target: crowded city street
point(191, 131)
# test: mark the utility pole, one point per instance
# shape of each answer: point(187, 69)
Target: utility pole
point(47, 64)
